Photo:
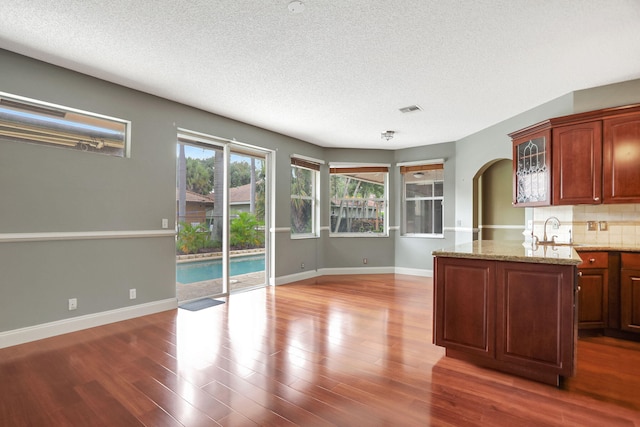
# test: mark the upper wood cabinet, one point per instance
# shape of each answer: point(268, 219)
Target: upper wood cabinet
point(593, 157)
point(621, 159)
point(532, 169)
point(577, 164)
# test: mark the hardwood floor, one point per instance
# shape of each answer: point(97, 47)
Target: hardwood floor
point(338, 350)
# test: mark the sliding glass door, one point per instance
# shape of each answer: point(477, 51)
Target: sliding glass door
point(221, 211)
point(247, 232)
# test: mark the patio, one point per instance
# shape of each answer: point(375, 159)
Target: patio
point(186, 292)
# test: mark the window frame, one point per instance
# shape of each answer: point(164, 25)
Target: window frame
point(313, 166)
point(31, 121)
point(415, 167)
point(347, 168)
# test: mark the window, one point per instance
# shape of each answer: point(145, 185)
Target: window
point(23, 120)
point(304, 198)
point(423, 199)
point(358, 200)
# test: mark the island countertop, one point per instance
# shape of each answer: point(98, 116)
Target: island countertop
point(512, 251)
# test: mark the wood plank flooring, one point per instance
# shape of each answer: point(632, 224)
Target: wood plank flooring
point(334, 351)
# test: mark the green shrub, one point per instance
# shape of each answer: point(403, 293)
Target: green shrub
point(245, 233)
point(191, 238)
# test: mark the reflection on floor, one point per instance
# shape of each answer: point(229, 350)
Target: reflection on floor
point(189, 291)
point(608, 370)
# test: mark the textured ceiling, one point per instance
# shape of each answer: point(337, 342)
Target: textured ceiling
point(337, 73)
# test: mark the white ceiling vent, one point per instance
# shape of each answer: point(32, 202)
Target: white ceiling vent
point(410, 108)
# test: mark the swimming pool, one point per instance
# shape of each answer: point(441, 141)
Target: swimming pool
point(198, 271)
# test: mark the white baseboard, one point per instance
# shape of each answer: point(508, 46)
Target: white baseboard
point(414, 272)
point(59, 327)
point(355, 270)
point(283, 280)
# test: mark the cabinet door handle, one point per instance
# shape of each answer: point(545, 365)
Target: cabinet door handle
point(592, 260)
point(580, 273)
point(596, 199)
point(579, 289)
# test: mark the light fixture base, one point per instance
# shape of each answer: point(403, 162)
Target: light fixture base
point(296, 7)
point(387, 134)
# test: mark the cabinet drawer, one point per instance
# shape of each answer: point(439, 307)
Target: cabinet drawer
point(595, 259)
point(630, 260)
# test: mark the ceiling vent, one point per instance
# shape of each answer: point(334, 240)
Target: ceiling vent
point(410, 109)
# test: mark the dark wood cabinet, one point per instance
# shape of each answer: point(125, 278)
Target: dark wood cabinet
point(577, 164)
point(593, 294)
point(465, 303)
point(594, 158)
point(630, 292)
point(532, 169)
point(512, 316)
point(621, 159)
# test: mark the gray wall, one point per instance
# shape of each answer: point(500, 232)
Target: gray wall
point(415, 252)
point(342, 252)
point(495, 204)
point(46, 189)
point(475, 151)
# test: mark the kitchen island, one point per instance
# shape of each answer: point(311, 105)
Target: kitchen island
point(509, 307)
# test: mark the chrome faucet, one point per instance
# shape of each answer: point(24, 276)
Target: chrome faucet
point(553, 238)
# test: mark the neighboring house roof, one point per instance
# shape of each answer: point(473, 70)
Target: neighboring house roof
point(195, 197)
point(237, 195)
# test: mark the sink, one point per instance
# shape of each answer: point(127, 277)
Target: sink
point(561, 244)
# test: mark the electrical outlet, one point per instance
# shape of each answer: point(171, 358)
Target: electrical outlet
point(591, 226)
point(302, 266)
point(365, 261)
point(73, 303)
point(165, 223)
point(132, 294)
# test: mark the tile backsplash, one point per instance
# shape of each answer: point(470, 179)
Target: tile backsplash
point(610, 224)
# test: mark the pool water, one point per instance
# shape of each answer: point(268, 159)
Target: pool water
point(198, 271)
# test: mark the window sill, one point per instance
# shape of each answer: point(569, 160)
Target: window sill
point(366, 235)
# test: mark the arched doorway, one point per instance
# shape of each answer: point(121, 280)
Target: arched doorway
point(496, 217)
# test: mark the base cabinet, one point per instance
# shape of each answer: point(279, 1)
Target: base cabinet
point(630, 292)
point(593, 283)
point(510, 316)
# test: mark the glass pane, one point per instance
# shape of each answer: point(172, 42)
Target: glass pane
point(246, 221)
point(44, 124)
point(423, 217)
point(438, 217)
point(438, 189)
point(301, 181)
point(411, 216)
point(301, 216)
point(357, 204)
point(419, 189)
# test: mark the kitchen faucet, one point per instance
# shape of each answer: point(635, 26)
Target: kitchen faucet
point(553, 238)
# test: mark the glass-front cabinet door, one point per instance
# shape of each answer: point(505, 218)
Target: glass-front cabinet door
point(532, 169)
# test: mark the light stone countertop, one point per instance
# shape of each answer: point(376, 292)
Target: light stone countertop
point(512, 251)
point(599, 247)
